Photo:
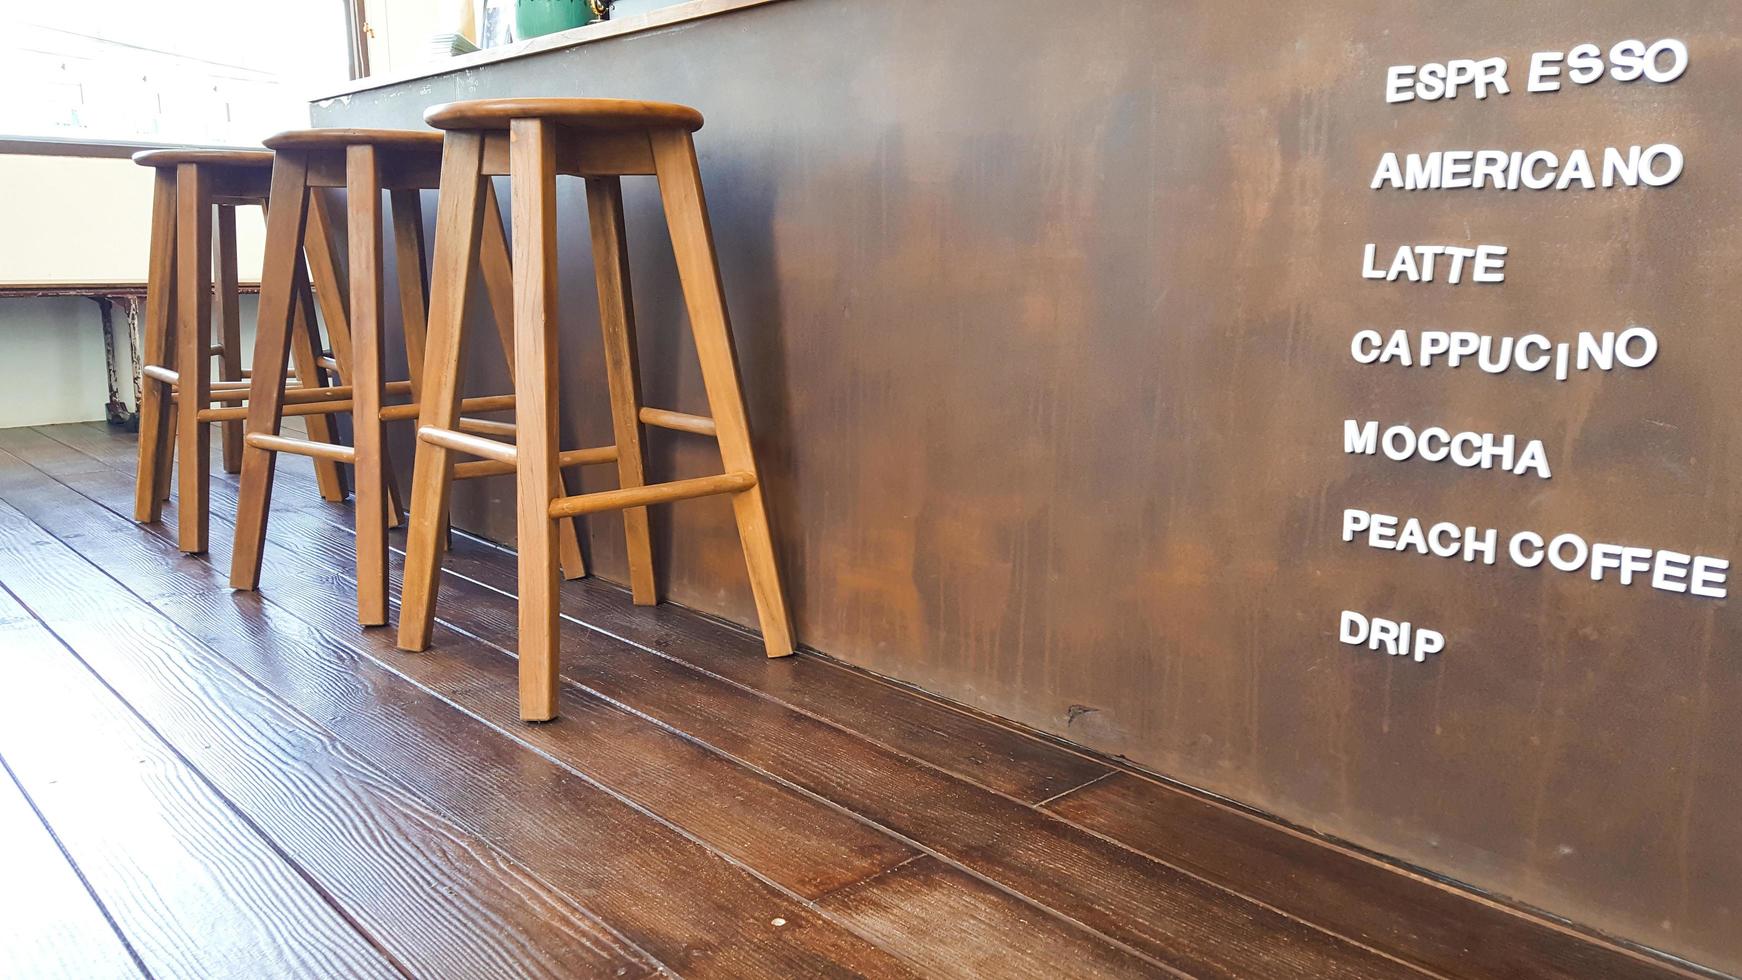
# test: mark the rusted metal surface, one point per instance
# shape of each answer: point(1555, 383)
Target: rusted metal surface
point(1044, 320)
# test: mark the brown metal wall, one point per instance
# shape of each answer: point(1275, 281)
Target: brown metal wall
point(1044, 311)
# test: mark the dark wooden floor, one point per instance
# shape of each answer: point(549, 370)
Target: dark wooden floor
point(204, 783)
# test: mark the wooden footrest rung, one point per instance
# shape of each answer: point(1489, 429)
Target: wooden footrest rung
point(680, 421)
point(302, 447)
point(486, 427)
point(218, 391)
point(460, 442)
point(482, 403)
point(231, 413)
point(297, 393)
point(292, 393)
point(658, 493)
point(574, 457)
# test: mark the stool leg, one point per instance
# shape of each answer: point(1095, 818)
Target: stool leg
point(496, 272)
point(395, 502)
point(686, 213)
point(363, 197)
point(230, 325)
point(412, 268)
point(457, 217)
point(498, 277)
point(532, 168)
point(166, 461)
point(412, 271)
point(193, 199)
point(323, 270)
point(329, 290)
point(280, 278)
point(305, 346)
point(154, 395)
point(617, 320)
point(328, 282)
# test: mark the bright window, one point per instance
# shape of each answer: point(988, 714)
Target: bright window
point(225, 72)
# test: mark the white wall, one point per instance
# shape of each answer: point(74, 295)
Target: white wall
point(57, 344)
point(54, 352)
point(82, 220)
point(72, 219)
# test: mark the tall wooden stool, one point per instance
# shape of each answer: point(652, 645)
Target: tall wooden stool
point(365, 163)
point(176, 387)
point(601, 140)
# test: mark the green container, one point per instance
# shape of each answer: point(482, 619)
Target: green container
point(533, 18)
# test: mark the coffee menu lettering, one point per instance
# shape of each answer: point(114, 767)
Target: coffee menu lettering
point(1516, 456)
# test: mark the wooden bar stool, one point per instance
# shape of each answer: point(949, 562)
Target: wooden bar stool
point(532, 141)
point(365, 163)
point(176, 389)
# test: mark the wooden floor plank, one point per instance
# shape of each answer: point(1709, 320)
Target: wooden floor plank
point(796, 841)
point(1173, 917)
point(949, 923)
point(11, 613)
point(50, 924)
point(475, 675)
point(52, 453)
point(793, 840)
point(81, 443)
point(443, 901)
point(1415, 919)
point(975, 748)
point(968, 746)
point(1150, 907)
point(667, 893)
point(1423, 922)
point(699, 915)
point(194, 889)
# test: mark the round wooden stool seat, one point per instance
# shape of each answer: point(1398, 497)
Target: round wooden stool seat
point(589, 114)
point(338, 138)
point(224, 158)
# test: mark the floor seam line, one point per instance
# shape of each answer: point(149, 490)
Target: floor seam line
point(1041, 805)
